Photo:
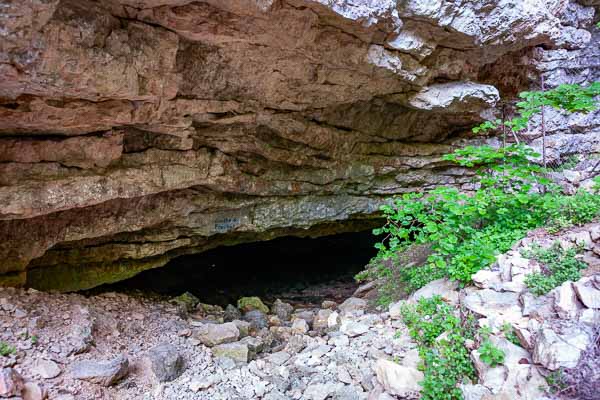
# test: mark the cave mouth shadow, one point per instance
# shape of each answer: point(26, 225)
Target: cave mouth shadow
point(300, 270)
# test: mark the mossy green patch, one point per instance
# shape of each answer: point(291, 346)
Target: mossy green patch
point(252, 303)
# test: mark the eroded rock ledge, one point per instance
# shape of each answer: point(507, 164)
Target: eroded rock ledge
point(132, 131)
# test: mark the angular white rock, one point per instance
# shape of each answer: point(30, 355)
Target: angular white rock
point(397, 379)
point(445, 288)
point(455, 97)
point(588, 291)
point(554, 351)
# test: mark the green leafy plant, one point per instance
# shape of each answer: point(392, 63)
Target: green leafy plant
point(559, 265)
point(509, 334)
point(6, 349)
point(556, 381)
point(466, 231)
point(568, 97)
point(484, 331)
point(441, 337)
point(490, 354)
point(569, 163)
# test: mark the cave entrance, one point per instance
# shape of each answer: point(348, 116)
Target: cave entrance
point(297, 270)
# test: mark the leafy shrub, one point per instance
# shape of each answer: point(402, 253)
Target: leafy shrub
point(568, 97)
point(446, 360)
point(6, 349)
point(510, 335)
point(490, 354)
point(565, 211)
point(569, 163)
point(559, 266)
point(467, 231)
point(556, 381)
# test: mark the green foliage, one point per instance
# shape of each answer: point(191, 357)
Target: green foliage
point(490, 354)
point(429, 319)
point(390, 287)
point(485, 331)
point(509, 334)
point(569, 163)
point(446, 360)
point(568, 97)
point(565, 211)
point(467, 231)
point(487, 125)
point(560, 265)
point(6, 349)
point(556, 381)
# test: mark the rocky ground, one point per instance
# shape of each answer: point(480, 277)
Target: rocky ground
point(119, 346)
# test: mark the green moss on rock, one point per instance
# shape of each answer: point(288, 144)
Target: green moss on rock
point(252, 303)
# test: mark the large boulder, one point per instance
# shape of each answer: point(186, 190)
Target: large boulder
point(352, 305)
point(237, 351)
point(490, 303)
point(455, 96)
point(246, 304)
point(588, 291)
point(257, 319)
point(562, 348)
point(11, 383)
point(566, 304)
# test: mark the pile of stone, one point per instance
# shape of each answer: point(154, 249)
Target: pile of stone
point(554, 330)
point(67, 346)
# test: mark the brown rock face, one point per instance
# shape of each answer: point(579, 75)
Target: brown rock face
point(133, 131)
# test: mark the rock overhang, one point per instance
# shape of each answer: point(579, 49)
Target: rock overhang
point(136, 130)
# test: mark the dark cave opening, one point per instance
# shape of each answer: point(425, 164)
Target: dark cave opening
point(298, 270)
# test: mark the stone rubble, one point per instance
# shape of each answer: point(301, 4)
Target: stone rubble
point(147, 348)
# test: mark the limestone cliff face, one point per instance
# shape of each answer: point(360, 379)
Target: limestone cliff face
point(133, 131)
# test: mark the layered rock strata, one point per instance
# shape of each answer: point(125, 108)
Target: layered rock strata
point(133, 131)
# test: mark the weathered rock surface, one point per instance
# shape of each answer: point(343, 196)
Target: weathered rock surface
point(134, 131)
point(446, 289)
point(237, 351)
point(214, 334)
point(588, 291)
point(399, 380)
point(515, 378)
point(363, 353)
point(556, 331)
point(554, 350)
point(164, 362)
point(102, 373)
point(11, 383)
point(47, 369)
